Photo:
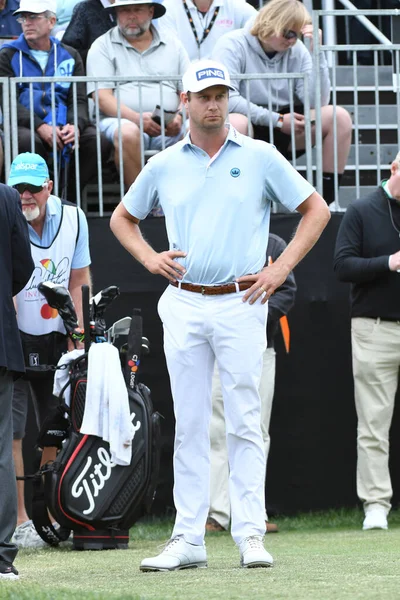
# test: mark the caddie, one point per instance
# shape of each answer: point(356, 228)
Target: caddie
point(60, 249)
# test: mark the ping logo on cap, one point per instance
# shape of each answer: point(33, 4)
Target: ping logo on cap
point(207, 73)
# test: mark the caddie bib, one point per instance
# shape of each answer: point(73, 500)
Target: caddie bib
point(52, 263)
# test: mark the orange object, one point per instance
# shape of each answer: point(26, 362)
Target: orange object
point(283, 322)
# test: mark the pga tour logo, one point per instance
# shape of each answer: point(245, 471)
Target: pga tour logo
point(207, 73)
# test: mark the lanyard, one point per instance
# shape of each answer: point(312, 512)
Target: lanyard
point(206, 31)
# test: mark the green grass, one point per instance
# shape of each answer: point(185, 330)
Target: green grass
point(320, 556)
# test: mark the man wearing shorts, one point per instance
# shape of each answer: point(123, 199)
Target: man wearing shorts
point(135, 47)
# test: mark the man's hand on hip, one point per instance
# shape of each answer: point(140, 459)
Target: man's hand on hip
point(164, 263)
point(264, 283)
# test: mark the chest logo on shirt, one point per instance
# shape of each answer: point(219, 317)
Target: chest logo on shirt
point(235, 172)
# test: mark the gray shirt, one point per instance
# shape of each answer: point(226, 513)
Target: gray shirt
point(241, 52)
point(112, 55)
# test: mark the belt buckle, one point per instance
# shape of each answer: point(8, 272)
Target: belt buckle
point(203, 290)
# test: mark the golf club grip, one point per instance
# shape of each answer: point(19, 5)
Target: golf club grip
point(86, 315)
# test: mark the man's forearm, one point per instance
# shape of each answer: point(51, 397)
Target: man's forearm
point(77, 279)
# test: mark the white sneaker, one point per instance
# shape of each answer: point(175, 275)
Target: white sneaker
point(375, 518)
point(253, 553)
point(26, 536)
point(177, 554)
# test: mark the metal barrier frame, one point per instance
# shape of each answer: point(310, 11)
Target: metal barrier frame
point(317, 47)
point(12, 85)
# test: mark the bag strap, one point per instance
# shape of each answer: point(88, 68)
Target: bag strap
point(40, 515)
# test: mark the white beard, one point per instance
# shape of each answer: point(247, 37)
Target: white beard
point(31, 214)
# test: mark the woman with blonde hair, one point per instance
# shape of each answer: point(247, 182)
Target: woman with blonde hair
point(271, 44)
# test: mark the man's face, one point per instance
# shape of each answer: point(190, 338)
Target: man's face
point(3, 4)
point(207, 109)
point(135, 20)
point(37, 27)
point(34, 203)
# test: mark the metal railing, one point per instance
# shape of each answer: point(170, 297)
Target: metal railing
point(368, 161)
point(379, 80)
point(11, 123)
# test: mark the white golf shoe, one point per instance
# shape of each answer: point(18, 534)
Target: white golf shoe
point(177, 554)
point(375, 518)
point(253, 554)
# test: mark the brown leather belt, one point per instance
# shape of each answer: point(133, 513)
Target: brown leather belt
point(213, 290)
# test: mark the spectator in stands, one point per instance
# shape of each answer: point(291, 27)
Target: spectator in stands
point(64, 14)
point(9, 27)
point(200, 23)
point(135, 47)
point(34, 54)
point(89, 21)
point(270, 44)
point(367, 255)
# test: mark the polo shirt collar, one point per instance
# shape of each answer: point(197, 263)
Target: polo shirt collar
point(233, 136)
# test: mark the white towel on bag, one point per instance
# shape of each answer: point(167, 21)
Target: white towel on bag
point(107, 413)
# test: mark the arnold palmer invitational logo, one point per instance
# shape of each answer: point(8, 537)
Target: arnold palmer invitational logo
point(47, 270)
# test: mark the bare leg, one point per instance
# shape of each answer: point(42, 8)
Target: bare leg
point(19, 472)
point(343, 138)
point(241, 123)
point(130, 135)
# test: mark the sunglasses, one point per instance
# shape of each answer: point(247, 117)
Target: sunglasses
point(28, 187)
point(289, 34)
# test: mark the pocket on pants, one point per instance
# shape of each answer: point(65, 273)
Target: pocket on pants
point(363, 328)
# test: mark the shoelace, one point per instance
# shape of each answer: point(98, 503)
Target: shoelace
point(172, 542)
point(254, 542)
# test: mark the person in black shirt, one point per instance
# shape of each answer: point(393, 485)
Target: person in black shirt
point(89, 21)
point(367, 255)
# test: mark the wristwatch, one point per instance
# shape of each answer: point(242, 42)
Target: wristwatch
point(279, 123)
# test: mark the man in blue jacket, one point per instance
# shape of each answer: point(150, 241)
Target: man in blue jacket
point(36, 54)
point(8, 24)
point(16, 266)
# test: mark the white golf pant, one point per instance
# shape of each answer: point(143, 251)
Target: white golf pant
point(197, 329)
point(220, 506)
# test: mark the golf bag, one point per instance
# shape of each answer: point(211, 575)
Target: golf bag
point(83, 489)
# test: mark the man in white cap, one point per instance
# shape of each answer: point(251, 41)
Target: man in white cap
point(135, 47)
point(216, 188)
point(36, 54)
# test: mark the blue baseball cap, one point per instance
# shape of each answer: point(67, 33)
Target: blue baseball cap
point(28, 168)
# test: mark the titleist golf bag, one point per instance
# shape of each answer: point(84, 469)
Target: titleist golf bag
point(83, 489)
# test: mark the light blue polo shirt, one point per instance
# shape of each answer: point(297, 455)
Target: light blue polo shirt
point(52, 221)
point(218, 210)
